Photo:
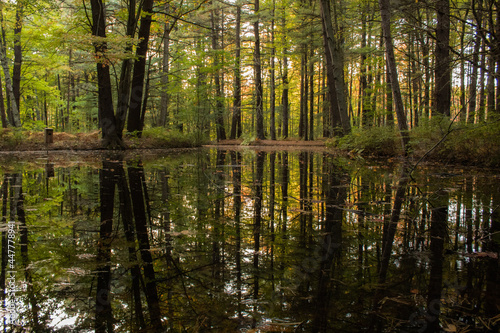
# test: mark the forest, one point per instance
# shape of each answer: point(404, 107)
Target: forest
point(249, 70)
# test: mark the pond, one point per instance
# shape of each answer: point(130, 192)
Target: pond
point(247, 241)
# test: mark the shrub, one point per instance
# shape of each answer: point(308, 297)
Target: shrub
point(382, 141)
point(159, 137)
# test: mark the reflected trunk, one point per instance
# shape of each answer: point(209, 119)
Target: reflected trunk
point(135, 174)
point(259, 176)
point(236, 163)
point(104, 315)
point(284, 190)
point(438, 234)
point(128, 226)
point(330, 245)
point(390, 226)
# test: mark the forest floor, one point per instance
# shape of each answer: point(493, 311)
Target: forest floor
point(35, 141)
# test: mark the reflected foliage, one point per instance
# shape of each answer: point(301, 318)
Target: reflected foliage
point(229, 241)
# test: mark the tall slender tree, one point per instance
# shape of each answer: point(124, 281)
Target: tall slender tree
point(259, 107)
point(442, 72)
point(219, 106)
point(110, 136)
point(135, 122)
point(393, 74)
point(335, 64)
point(18, 52)
point(236, 121)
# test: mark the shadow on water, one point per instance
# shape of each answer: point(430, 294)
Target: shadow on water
point(244, 241)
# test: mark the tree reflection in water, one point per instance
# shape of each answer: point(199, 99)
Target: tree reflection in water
point(272, 241)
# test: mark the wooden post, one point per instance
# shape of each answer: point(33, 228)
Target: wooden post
point(49, 135)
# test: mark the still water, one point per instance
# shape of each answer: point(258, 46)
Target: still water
point(246, 241)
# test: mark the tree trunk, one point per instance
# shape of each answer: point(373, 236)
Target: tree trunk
point(443, 70)
point(18, 54)
point(284, 96)
point(13, 114)
point(259, 108)
point(303, 95)
point(219, 106)
point(107, 119)
point(473, 82)
point(311, 93)
point(272, 92)
point(165, 95)
point(134, 122)
point(333, 50)
point(393, 72)
point(236, 122)
point(124, 83)
point(3, 115)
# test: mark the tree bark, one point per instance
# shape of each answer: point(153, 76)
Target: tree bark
point(442, 93)
point(134, 122)
point(165, 96)
point(259, 109)
point(272, 97)
point(473, 82)
point(333, 50)
point(3, 115)
point(18, 53)
point(124, 83)
point(13, 114)
point(236, 122)
point(219, 106)
point(393, 74)
point(110, 137)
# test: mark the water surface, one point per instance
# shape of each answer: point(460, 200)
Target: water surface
point(247, 241)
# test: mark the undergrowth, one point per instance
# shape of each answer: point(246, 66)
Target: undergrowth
point(436, 140)
point(159, 137)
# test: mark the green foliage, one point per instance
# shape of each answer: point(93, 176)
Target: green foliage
point(382, 141)
point(10, 137)
point(472, 144)
point(248, 138)
point(163, 138)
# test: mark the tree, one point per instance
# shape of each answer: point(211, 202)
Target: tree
point(236, 121)
point(14, 114)
point(272, 126)
point(442, 54)
point(335, 65)
point(110, 136)
point(284, 95)
point(219, 106)
point(126, 68)
point(393, 74)
point(18, 53)
point(135, 121)
point(259, 108)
